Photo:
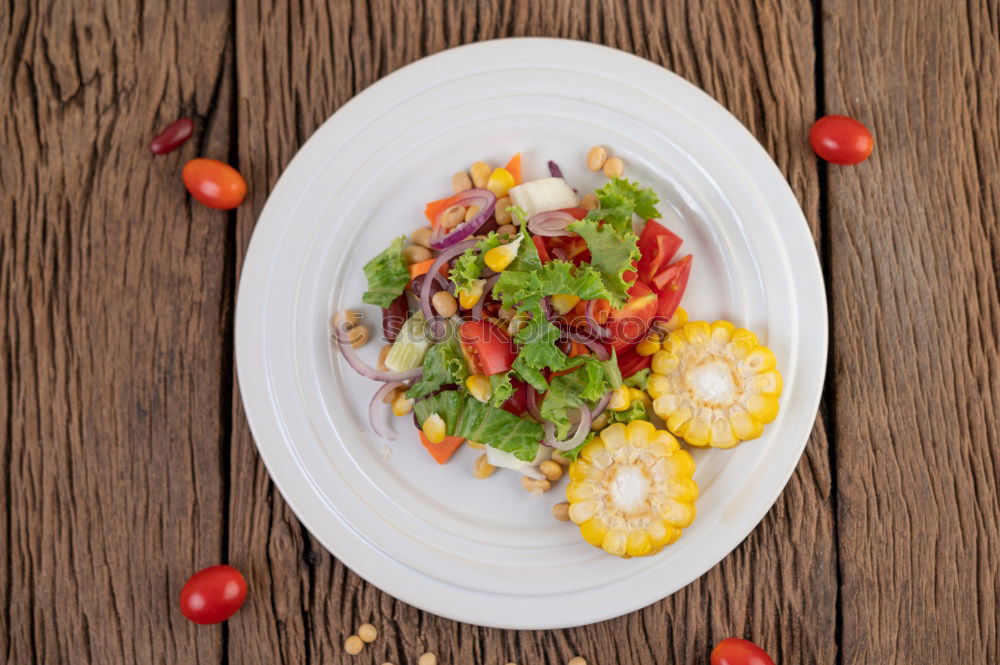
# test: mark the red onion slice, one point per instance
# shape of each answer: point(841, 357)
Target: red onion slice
point(581, 433)
point(425, 285)
point(359, 366)
point(484, 199)
point(378, 424)
point(551, 224)
point(532, 404)
point(588, 340)
point(554, 170)
point(601, 405)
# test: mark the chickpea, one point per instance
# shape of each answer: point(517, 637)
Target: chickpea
point(596, 157)
point(346, 318)
point(353, 645)
point(576, 660)
point(367, 632)
point(471, 212)
point(560, 511)
point(416, 254)
point(444, 303)
point(381, 362)
point(559, 458)
point(614, 167)
point(429, 659)
point(422, 236)
point(535, 486)
point(500, 212)
point(461, 182)
point(482, 468)
point(358, 336)
point(452, 217)
point(480, 176)
point(475, 445)
point(507, 230)
point(589, 202)
point(551, 470)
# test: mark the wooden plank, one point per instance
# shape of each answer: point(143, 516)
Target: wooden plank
point(114, 293)
point(779, 587)
point(914, 239)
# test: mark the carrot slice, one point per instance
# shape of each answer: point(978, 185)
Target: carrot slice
point(441, 452)
point(421, 268)
point(433, 209)
point(514, 166)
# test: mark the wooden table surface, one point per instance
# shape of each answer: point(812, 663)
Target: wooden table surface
point(127, 460)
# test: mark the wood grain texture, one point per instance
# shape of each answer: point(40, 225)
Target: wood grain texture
point(114, 294)
point(915, 258)
point(779, 587)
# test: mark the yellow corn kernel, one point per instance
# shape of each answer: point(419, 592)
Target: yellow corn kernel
point(761, 359)
point(769, 383)
point(615, 542)
point(639, 543)
point(402, 406)
point(498, 258)
point(475, 445)
point(745, 426)
point(500, 181)
point(722, 332)
point(468, 298)
point(563, 302)
point(664, 362)
point(675, 342)
point(676, 321)
point(620, 399)
point(593, 531)
point(658, 385)
point(479, 386)
point(649, 345)
point(434, 428)
point(722, 434)
point(744, 342)
point(697, 332)
point(763, 408)
point(640, 395)
point(697, 432)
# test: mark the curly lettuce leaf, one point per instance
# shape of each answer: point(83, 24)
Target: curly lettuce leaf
point(611, 254)
point(519, 286)
point(466, 417)
point(620, 199)
point(612, 373)
point(639, 380)
point(636, 411)
point(387, 275)
point(502, 389)
point(443, 364)
point(568, 392)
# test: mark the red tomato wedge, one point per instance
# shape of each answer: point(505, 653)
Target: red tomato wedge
point(630, 362)
point(441, 452)
point(487, 345)
point(514, 166)
point(539, 243)
point(658, 245)
point(670, 284)
point(629, 324)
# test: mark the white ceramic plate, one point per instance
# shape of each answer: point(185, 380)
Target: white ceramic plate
point(478, 551)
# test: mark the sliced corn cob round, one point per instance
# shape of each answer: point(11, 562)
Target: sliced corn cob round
point(631, 489)
point(714, 384)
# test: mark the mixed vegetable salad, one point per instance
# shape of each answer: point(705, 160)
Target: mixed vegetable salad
point(541, 327)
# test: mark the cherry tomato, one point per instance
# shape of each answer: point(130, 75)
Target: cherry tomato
point(172, 137)
point(487, 345)
point(214, 183)
point(670, 285)
point(213, 594)
point(734, 651)
point(657, 245)
point(841, 140)
point(629, 324)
